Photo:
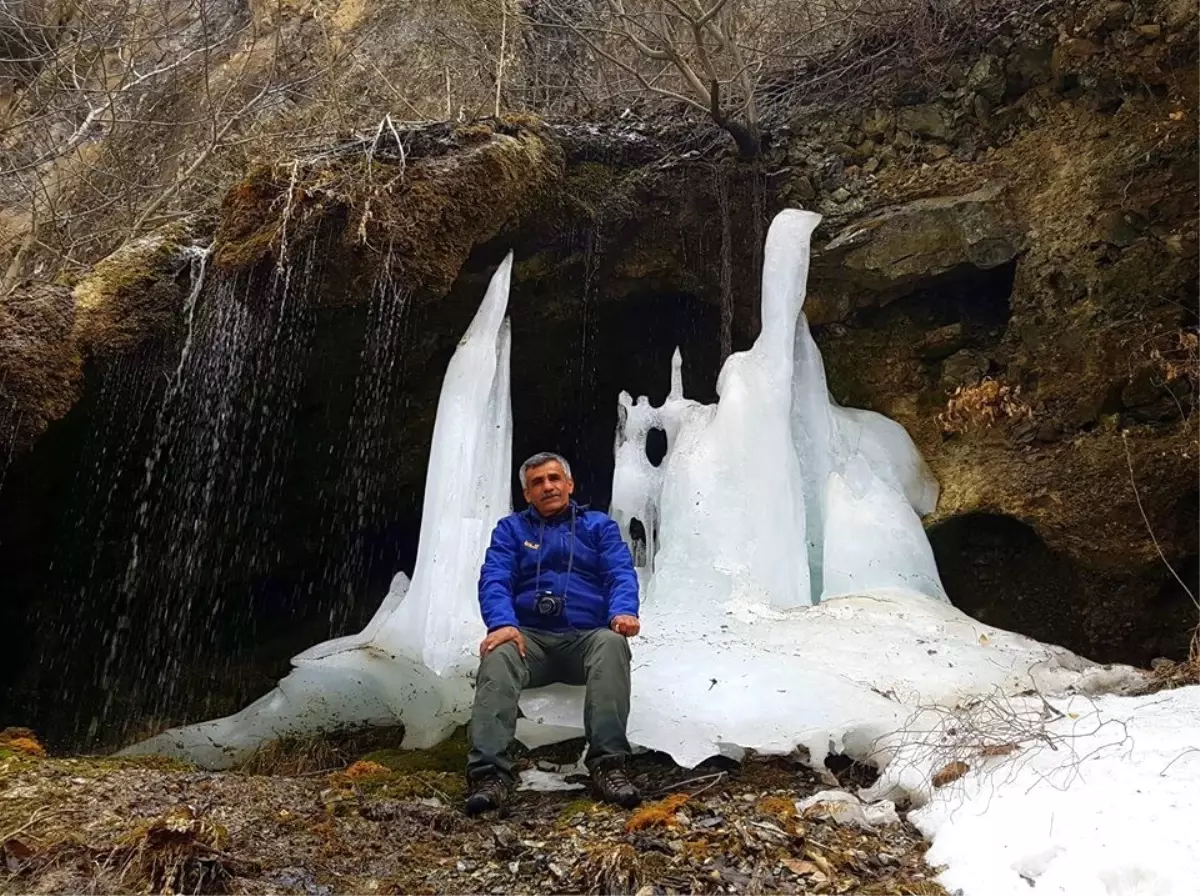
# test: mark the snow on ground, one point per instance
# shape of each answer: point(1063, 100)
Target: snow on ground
point(1099, 800)
point(835, 678)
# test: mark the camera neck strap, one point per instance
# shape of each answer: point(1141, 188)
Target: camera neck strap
point(537, 582)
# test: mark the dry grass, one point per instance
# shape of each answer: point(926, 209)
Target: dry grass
point(1169, 674)
point(179, 852)
point(319, 753)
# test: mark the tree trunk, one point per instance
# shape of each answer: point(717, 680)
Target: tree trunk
point(748, 140)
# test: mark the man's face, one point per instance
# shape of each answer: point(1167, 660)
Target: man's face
point(548, 488)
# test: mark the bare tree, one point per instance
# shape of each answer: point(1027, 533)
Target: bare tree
point(108, 111)
point(699, 42)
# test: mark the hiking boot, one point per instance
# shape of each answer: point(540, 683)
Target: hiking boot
point(613, 785)
point(487, 794)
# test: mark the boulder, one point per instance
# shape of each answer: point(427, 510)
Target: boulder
point(925, 120)
point(987, 78)
point(899, 246)
point(1028, 66)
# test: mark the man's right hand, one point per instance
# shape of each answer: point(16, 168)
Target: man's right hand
point(502, 636)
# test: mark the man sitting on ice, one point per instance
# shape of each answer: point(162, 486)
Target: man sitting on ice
point(559, 596)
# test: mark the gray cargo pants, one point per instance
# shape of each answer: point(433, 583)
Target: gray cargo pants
point(597, 658)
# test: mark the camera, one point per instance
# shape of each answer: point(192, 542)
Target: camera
point(549, 604)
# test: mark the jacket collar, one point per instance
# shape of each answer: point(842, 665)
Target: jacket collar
point(531, 514)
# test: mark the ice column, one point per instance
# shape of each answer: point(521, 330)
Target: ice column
point(776, 496)
point(637, 483)
point(867, 488)
point(411, 663)
point(732, 507)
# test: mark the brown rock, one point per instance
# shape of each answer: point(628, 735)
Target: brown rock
point(1152, 31)
point(802, 188)
point(962, 369)
point(1028, 66)
point(921, 239)
point(1113, 15)
point(987, 78)
point(1081, 47)
point(878, 123)
point(941, 343)
point(983, 110)
point(926, 120)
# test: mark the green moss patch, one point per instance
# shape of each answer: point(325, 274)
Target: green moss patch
point(450, 756)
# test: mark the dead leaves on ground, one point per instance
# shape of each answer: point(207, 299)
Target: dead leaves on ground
point(950, 772)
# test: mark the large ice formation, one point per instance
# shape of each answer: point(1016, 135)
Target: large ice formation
point(413, 661)
point(770, 501)
point(776, 463)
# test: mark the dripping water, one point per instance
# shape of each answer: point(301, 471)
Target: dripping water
point(374, 413)
point(208, 492)
point(199, 264)
point(585, 393)
point(10, 425)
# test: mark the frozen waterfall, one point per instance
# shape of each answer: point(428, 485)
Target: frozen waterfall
point(413, 661)
point(768, 502)
point(776, 463)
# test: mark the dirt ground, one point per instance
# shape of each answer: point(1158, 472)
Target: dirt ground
point(391, 822)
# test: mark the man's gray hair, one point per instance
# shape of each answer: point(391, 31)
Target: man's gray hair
point(543, 457)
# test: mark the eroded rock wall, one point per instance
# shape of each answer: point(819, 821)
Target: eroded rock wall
point(1070, 409)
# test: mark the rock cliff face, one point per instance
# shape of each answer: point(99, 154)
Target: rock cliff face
point(1007, 267)
point(1052, 389)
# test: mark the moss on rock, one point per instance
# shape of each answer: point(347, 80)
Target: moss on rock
point(450, 756)
point(41, 371)
point(420, 214)
point(132, 295)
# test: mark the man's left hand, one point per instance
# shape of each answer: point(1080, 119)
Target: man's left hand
point(625, 625)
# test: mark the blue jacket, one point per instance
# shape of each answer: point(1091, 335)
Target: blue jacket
point(530, 555)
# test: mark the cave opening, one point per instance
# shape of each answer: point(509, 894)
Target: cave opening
point(1000, 571)
point(976, 299)
point(943, 332)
